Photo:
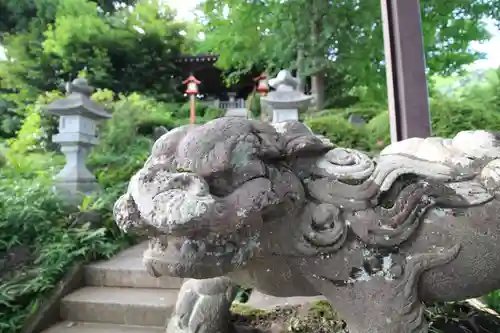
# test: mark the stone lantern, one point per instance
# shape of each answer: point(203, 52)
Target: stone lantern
point(78, 117)
point(285, 101)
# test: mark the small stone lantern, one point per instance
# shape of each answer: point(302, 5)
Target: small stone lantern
point(286, 100)
point(78, 116)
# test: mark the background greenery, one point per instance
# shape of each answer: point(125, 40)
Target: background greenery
point(52, 235)
point(127, 49)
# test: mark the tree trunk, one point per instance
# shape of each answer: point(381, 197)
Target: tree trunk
point(318, 77)
point(300, 68)
point(318, 89)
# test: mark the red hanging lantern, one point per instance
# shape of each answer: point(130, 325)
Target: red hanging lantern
point(192, 90)
point(192, 85)
point(262, 84)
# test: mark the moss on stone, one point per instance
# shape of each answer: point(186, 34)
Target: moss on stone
point(322, 309)
point(248, 311)
point(317, 317)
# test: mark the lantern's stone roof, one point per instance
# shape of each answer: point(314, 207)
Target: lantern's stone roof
point(78, 102)
point(286, 95)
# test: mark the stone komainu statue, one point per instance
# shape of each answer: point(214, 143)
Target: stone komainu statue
point(280, 210)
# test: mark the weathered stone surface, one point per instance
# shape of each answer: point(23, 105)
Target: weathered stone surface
point(265, 302)
point(284, 212)
point(203, 307)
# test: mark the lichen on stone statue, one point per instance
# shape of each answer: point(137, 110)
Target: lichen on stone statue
point(290, 214)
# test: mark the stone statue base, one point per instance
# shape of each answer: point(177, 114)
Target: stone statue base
point(311, 317)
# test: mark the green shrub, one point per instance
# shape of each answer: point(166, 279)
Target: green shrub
point(448, 117)
point(37, 127)
point(147, 126)
point(184, 111)
point(27, 209)
point(27, 152)
point(150, 112)
point(493, 300)
point(323, 113)
point(10, 120)
point(35, 220)
point(496, 92)
point(341, 101)
point(33, 217)
point(378, 131)
point(339, 131)
point(211, 113)
point(253, 103)
point(28, 137)
point(204, 113)
point(159, 114)
point(122, 150)
point(452, 116)
point(37, 164)
point(365, 111)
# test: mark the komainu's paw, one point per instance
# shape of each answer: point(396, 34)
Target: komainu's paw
point(203, 306)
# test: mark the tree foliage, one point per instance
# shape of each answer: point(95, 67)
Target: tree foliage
point(21, 15)
point(350, 39)
point(131, 49)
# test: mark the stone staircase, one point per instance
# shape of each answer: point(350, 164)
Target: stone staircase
point(119, 296)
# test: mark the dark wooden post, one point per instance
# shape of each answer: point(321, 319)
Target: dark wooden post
point(405, 66)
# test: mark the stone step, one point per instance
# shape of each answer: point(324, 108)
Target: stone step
point(82, 327)
point(126, 270)
point(118, 305)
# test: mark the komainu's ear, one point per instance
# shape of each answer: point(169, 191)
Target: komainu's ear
point(164, 149)
point(127, 216)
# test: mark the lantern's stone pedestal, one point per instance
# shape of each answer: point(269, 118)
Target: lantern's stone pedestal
point(286, 101)
point(75, 179)
point(77, 134)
